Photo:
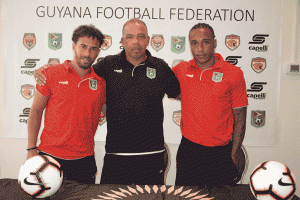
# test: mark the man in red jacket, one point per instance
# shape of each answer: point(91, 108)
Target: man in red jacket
point(72, 99)
point(214, 104)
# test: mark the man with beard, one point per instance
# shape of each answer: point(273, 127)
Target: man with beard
point(72, 98)
point(136, 85)
point(214, 104)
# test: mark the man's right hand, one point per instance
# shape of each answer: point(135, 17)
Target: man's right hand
point(32, 153)
point(39, 76)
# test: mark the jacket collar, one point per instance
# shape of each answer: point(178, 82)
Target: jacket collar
point(217, 65)
point(70, 69)
point(122, 56)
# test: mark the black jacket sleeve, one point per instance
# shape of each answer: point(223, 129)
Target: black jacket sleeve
point(172, 86)
point(100, 69)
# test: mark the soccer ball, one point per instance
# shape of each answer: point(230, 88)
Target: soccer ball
point(272, 180)
point(40, 176)
point(55, 43)
point(178, 46)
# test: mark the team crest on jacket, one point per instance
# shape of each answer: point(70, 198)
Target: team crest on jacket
point(53, 61)
point(178, 44)
point(258, 64)
point(258, 118)
point(102, 119)
point(177, 117)
point(157, 42)
point(232, 42)
point(151, 73)
point(93, 84)
point(54, 40)
point(27, 91)
point(107, 42)
point(29, 40)
point(217, 76)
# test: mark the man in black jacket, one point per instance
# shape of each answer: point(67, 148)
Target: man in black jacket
point(136, 84)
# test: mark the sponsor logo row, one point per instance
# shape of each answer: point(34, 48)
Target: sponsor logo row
point(23, 117)
point(232, 42)
point(257, 120)
point(258, 64)
point(30, 63)
point(255, 91)
point(157, 42)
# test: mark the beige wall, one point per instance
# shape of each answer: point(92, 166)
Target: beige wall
point(12, 151)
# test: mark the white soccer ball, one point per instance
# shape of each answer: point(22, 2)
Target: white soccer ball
point(272, 180)
point(178, 46)
point(55, 43)
point(40, 176)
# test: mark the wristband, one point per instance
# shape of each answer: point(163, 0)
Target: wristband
point(31, 148)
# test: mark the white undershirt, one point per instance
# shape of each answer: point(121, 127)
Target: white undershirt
point(135, 154)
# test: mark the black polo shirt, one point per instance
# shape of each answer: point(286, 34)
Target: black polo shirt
point(134, 97)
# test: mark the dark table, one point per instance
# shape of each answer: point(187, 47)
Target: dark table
point(10, 190)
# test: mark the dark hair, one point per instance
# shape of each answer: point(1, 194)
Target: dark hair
point(89, 31)
point(203, 25)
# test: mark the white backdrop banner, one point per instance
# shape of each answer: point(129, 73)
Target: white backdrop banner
point(248, 34)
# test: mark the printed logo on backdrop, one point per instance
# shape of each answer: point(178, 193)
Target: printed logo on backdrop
point(177, 117)
point(178, 44)
point(233, 59)
point(54, 41)
point(258, 118)
point(25, 114)
point(157, 42)
point(29, 40)
point(102, 119)
point(257, 87)
point(176, 61)
point(151, 73)
point(258, 64)
point(27, 91)
point(217, 77)
point(29, 63)
point(107, 42)
point(259, 39)
point(93, 84)
point(232, 42)
point(53, 61)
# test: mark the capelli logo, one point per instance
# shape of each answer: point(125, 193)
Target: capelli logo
point(30, 63)
point(233, 59)
point(259, 39)
point(257, 86)
point(25, 114)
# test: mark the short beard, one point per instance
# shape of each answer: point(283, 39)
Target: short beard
point(83, 66)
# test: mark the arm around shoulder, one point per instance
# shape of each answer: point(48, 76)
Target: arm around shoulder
point(39, 76)
point(100, 67)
